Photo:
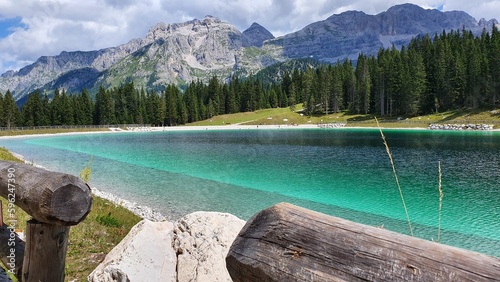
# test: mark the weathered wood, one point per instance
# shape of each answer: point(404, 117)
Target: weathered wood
point(290, 243)
point(47, 196)
point(11, 250)
point(45, 252)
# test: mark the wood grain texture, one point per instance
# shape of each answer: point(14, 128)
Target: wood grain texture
point(45, 253)
point(50, 197)
point(290, 243)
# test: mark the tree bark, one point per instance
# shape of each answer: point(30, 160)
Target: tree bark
point(50, 197)
point(45, 253)
point(289, 243)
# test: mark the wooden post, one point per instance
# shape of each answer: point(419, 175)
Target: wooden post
point(50, 197)
point(55, 201)
point(45, 253)
point(290, 243)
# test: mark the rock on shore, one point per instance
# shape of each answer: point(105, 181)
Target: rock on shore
point(202, 241)
point(461, 126)
point(145, 254)
point(191, 249)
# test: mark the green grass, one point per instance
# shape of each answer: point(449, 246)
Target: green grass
point(283, 116)
point(5, 155)
point(89, 241)
point(257, 117)
point(47, 131)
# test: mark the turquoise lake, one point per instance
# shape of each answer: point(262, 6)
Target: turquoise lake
point(341, 172)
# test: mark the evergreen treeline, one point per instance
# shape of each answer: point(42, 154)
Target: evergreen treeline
point(446, 72)
point(450, 71)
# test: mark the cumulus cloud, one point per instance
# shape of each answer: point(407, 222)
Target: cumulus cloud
point(51, 26)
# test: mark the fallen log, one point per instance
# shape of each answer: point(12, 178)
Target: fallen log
point(49, 197)
point(290, 243)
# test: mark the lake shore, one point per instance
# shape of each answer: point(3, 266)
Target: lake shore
point(144, 212)
point(112, 130)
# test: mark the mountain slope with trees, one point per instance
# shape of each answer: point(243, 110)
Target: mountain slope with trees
point(448, 71)
point(180, 53)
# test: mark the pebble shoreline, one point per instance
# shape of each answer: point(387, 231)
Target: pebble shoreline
point(487, 127)
point(142, 211)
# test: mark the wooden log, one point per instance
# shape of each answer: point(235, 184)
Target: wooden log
point(50, 197)
point(11, 250)
point(45, 253)
point(290, 243)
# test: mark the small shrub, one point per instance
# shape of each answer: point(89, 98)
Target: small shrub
point(108, 220)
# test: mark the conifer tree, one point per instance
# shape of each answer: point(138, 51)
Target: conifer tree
point(348, 83)
point(11, 114)
point(2, 121)
point(141, 112)
point(191, 102)
point(104, 108)
point(361, 98)
point(87, 108)
point(66, 110)
point(55, 109)
point(171, 105)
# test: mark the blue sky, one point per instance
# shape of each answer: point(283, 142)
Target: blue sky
point(9, 26)
point(33, 28)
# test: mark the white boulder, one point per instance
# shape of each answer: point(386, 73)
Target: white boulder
point(145, 254)
point(194, 248)
point(202, 241)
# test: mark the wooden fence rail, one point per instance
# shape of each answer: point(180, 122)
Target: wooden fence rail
point(290, 243)
point(56, 201)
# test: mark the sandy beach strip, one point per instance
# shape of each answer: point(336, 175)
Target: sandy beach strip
point(167, 128)
point(218, 127)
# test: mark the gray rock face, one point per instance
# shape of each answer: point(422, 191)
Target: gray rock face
point(145, 254)
point(196, 49)
point(255, 35)
point(202, 241)
point(169, 53)
point(349, 33)
point(193, 248)
point(47, 69)
point(199, 49)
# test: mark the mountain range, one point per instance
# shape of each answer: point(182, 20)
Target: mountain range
point(199, 49)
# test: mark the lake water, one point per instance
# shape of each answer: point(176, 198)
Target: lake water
point(341, 172)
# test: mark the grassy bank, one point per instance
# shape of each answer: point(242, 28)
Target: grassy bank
point(92, 239)
point(284, 116)
point(48, 131)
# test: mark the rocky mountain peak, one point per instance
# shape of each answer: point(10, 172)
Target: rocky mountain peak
point(201, 48)
point(162, 30)
point(347, 34)
point(255, 35)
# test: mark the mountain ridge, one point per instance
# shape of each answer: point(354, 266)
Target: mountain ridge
point(200, 48)
point(336, 37)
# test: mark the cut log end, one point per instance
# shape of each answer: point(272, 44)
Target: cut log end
point(49, 197)
point(69, 204)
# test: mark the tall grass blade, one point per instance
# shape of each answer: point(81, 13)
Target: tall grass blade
point(441, 195)
point(395, 176)
point(87, 171)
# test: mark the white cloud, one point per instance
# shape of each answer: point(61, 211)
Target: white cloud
point(56, 25)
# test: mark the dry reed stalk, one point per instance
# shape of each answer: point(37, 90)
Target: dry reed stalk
point(441, 195)
point(395, 176)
